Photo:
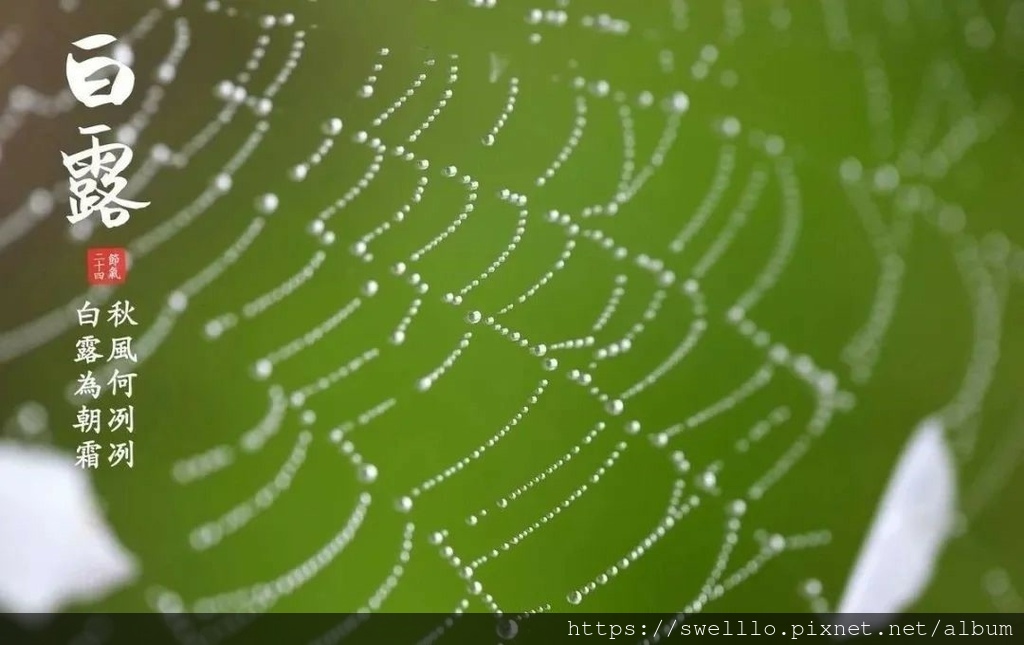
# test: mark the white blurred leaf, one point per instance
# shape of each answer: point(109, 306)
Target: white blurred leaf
point(912, 524)
point(55, 546)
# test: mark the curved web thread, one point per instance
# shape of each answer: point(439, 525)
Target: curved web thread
point(755, 178)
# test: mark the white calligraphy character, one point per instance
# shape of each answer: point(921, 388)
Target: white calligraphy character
point(96, 181)
point(86, 88)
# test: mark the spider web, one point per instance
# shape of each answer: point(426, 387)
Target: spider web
point(494, 306)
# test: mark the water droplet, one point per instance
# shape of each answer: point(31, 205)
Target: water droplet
point(367, 473)
point(680, 102)
point(299, 172)
point(474, 317)
point(222, 182)
point(550, 364)
point(507, 628)
point(708, 480)
point(574, 597)
point(812, 588)
point(214, 329)
point(263, 107)
point(404, 504)
point(224, 90)
point(333, 126)
point(614, 407)
point(177, 301)
point(263, 369)
point(731, 127)
point(267, 204)
point(32, 418)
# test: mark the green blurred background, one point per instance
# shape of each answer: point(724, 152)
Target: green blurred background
point(787, 73)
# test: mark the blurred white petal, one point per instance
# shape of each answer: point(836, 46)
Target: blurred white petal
point(55, 546)
point(911, 525)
